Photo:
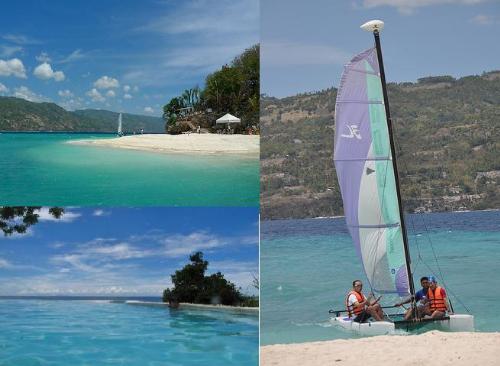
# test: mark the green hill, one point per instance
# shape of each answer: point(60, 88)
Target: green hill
point(21, 115)
point(447, 134)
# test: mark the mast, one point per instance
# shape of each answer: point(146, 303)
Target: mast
point(376, 26)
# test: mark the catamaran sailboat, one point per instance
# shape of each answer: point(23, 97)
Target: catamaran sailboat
point(119, 132)
point(367, 171)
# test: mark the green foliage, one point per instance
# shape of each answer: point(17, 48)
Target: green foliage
point(21, 115)
point(191, 285)
point(232, 89)
point(18, 219)
point(447, 134)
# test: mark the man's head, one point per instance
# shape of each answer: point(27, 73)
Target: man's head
point(432, 282)
point(424, 281)
point(357, 285)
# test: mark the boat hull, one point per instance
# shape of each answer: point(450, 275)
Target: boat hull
point(452, 323)
point(368, 328)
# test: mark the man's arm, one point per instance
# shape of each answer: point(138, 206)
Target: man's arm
point(407, 301)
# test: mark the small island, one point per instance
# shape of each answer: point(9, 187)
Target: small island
point(192, 289)
point(223, 117)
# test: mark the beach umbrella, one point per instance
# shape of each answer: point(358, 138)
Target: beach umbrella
point(228, 118)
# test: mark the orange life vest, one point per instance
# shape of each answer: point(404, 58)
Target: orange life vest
point(355, 309)
point(436, 299)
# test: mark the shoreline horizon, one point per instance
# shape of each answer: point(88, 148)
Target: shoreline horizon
point(210, 144)
point(411, 213)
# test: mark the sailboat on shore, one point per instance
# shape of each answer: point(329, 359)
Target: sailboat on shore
point(367, 171)
point(120, 130)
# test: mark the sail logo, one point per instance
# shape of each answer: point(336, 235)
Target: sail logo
point(353, 132)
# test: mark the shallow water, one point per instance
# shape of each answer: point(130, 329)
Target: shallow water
point(307, 267)
point(42, 169)
point(44, 332)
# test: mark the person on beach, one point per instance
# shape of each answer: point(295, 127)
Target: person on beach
point(438, 301)
point(361, 307)
point(421, 296)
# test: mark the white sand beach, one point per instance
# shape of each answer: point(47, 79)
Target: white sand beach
point(185, 143)
point(433, 347)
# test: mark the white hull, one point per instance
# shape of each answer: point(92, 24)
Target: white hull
point(368, 328)
point(455, 323)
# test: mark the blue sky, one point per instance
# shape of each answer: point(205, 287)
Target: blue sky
point(127, 251)
point(121, 55)
point(304, 45)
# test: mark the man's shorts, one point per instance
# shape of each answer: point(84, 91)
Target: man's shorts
point(362, 317)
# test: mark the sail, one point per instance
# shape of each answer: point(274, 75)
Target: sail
point(120, 124)
point(363, 162)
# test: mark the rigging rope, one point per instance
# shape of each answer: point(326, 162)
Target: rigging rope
point(441, 276)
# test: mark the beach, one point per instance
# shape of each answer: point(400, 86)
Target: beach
point(185, 143)
point(432, 347)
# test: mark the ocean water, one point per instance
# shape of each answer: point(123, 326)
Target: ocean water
point(42, 169)
point(307, 267)
point(45, 332)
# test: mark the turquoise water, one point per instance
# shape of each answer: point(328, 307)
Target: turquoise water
point(42, 169)
point(44, 332)
point(307, 267)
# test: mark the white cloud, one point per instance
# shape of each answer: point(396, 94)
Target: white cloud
point(67, 216)
point(106, 82)
point(111, 94)
point(148, 110)
point(127, 96)
point(20, 39)
point(12, 67)
point(181, 245)
point(71, 104)
point(199, 18)
point(4, 263)
point(408, 7)
point(95, 95)
point(65, 93)
point(25, 93)
point(482, 19)
point(126, 88)
point(74, 56)
point(100, 212)
point(3, 89)
point(44, 71)
point(7, 51)
point(43, 57)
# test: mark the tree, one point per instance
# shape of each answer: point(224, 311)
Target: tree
point(18, 219)
point(171, 110)
point(191, 285)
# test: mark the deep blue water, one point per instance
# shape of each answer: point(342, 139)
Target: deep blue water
point(307, 267)
point(100, 332)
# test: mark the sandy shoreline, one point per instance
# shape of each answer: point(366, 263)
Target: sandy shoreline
point(185, 305)
point(185, 143)
point(433, 347)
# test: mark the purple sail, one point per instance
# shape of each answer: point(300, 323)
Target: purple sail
point(366, 177)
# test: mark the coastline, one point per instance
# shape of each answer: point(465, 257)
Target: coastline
point(247, 145)
point(460, 348)
point(412, 213)
point(185, 305)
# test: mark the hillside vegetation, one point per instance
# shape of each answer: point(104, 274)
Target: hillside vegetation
point(234, 89)
point(447, 135)
point(21, 115)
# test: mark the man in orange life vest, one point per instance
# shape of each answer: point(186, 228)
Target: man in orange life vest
point(438, 302)
point(420, 296)
point(360, 307)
